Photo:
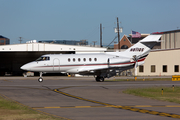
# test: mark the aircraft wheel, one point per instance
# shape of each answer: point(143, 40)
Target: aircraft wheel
point(101, 79)
point(97, 79)
point(40, 79)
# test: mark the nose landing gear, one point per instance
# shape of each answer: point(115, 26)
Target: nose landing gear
point(40, 79)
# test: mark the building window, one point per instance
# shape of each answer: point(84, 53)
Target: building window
point(153, 68)
point(124, 47)
point(164, 68)
point(1, 41)
point(176, 68)
point(141, 68)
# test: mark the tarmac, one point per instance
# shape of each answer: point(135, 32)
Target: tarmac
point(82, 98)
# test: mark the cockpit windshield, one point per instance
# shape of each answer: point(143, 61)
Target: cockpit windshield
point(43, 58)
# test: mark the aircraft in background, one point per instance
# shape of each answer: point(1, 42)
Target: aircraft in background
point(101, 65)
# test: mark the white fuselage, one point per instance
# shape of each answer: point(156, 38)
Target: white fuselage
point(75, 63)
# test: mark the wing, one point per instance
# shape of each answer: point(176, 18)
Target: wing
point(105, 71)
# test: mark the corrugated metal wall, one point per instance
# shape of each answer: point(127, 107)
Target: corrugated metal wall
point(170, 40)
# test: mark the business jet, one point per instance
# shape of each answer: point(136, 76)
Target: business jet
point(101, 65)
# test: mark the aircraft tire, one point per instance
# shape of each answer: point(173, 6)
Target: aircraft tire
point(99, 79)
point(40, 79)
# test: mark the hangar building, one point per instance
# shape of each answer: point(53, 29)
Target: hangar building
point(170, 39)
point(165, 61)
point(14, 56)
point(161, 63)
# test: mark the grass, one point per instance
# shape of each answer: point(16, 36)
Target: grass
point(156, 93)
point(10, 110)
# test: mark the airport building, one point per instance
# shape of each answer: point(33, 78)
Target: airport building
point(65, 42)
point(164, 62)
point(170, 39)
point(4, 40)
point(124, 43)
point(16, 55)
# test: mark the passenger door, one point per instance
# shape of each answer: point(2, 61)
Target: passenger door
point(56, 65)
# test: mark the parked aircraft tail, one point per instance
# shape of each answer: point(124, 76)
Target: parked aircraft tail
point(143, 47)
point(140, 50)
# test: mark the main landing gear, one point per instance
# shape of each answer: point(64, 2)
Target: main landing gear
point(40, 79)
point(99, 79)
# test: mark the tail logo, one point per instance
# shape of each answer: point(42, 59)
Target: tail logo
point(136, 49)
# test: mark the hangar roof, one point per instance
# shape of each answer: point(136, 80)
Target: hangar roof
point(49, 47)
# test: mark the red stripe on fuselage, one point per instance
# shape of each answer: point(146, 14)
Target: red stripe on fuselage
point(140, 60)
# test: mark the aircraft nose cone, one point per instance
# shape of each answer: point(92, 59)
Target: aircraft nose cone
point(24, 67)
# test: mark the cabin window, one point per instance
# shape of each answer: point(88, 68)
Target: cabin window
point(79, 59)
point(74, 59)
point(84, 59)
point(69, 59)
point(95, 59)
point(90, 59)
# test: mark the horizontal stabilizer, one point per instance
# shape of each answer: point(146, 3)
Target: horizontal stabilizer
point(151, 38)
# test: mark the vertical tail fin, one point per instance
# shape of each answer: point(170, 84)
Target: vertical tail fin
point(143, 47)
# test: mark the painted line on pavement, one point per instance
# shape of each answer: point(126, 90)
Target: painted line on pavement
point(104, 106)
point(130, 108)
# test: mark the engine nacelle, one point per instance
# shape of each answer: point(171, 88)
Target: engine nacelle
point(117, 61)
